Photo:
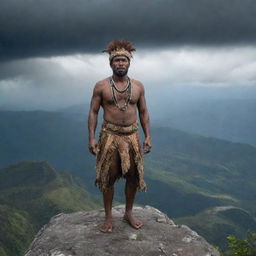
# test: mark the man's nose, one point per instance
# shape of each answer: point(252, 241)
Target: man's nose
point(120, 63)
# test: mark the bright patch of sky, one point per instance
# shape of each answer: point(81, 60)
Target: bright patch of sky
point(66, 80)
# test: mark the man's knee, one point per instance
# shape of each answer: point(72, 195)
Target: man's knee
point(131, 178)
point(113, 177)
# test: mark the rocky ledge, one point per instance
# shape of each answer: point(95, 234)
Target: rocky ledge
point(77, 234)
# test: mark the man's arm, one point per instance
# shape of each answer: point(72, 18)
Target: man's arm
point(144, 120)
point(93, 118)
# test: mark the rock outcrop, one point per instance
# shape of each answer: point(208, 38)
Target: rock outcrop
point(77, 234)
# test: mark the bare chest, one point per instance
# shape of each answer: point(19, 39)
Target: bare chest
point(109, 95)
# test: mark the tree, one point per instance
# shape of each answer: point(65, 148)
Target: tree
point(242, 247)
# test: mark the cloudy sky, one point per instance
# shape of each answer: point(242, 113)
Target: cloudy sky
point(51, 51)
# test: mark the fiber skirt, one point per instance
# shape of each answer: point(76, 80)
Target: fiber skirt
point(125, 141)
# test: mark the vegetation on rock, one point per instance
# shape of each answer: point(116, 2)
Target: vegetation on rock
point(242, 247)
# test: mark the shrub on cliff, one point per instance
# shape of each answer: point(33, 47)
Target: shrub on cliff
point(242, 247)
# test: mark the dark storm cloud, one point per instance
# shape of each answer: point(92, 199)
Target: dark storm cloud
point(59, 27)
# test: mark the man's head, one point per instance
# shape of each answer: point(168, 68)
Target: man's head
point(120, 54)
point(120, 65)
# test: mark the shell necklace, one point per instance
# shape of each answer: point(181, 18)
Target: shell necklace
point(114, 89)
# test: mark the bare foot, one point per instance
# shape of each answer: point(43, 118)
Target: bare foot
point(132, 221)
point(107, 226)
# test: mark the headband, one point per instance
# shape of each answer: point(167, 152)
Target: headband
point(118, 52)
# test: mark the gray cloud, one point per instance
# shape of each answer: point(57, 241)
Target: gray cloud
point(61, 27)
point(169, 74)
point(41, 83)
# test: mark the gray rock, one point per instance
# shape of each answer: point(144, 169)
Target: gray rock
point(77, 234)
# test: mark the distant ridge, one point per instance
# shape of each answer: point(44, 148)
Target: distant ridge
point(80, 108)
point(228, 220)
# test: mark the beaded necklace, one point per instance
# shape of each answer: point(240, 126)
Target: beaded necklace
point(114, 89)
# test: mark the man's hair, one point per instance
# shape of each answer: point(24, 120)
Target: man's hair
point(120, 47)
point(119, 44)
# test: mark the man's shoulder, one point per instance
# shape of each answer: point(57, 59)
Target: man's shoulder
point(102, 83)
point(137, 83)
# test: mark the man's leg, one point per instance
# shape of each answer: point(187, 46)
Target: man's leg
point(114, 172)
point(107, 200)
point(130, 192)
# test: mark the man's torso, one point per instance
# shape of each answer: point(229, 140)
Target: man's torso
point(112, 113)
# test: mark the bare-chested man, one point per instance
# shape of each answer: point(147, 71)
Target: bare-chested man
point(118, 151)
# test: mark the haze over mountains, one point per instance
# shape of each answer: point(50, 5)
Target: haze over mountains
point(221, 112)
point(231, 119)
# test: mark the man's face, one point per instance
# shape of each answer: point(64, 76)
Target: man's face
point(120, 65)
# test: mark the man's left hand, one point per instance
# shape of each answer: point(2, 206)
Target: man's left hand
point(147, 145)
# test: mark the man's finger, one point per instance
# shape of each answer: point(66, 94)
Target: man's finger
point(147, 149)
point(92, 150)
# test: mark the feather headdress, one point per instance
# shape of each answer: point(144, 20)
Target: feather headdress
point(120, 47)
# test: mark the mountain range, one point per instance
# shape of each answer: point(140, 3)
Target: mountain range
point(231, 119)
point(189, 176)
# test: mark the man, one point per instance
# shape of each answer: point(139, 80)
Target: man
point(118, 153)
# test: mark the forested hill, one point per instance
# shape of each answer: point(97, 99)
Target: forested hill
point(200, 172)
point(30, 194)
point(189, 176)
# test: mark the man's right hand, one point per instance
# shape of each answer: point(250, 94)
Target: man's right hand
point(147, 145)
point(93, 146)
